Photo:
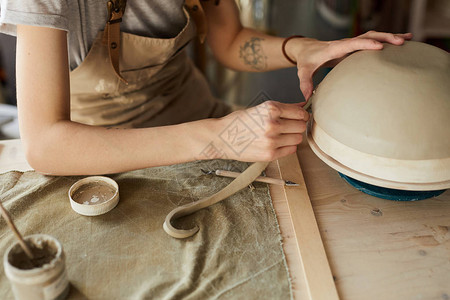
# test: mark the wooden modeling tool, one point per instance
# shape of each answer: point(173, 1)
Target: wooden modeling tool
point(269, 180)
point(11, 225)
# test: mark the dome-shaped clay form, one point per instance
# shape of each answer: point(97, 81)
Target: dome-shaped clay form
point(383, 117)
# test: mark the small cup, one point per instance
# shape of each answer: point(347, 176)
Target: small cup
point(44, 277)
point(93, 196)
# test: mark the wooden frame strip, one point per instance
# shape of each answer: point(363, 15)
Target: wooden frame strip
point(317, 272)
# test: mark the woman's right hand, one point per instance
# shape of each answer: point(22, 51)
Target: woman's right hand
point(262, 133)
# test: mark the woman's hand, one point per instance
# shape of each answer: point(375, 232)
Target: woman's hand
point(311, 54)
point(262, 133)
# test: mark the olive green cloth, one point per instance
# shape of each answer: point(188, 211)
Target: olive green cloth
point(125, 253)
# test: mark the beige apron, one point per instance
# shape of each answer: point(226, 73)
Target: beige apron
point(164, 87)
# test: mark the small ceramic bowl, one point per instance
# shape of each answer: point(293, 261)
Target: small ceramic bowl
point(93, 196)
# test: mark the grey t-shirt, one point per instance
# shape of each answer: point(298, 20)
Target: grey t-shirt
point(83, 19)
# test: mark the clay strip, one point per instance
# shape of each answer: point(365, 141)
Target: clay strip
point(243, 180)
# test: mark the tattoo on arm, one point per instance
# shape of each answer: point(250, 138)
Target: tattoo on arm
point(252, 54)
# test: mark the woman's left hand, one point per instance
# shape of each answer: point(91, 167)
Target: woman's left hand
point(311, 54)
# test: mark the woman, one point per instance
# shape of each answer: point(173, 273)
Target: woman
point(155, 84)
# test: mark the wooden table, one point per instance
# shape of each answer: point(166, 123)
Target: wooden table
point(377, 249)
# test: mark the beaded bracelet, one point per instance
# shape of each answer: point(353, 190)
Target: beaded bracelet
point(283, 47)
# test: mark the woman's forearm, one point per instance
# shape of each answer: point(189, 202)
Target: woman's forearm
point(68, 148)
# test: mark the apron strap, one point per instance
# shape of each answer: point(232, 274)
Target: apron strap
point(197, 13)
point(111, 35)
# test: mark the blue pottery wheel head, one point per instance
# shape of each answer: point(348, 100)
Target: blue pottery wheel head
point(390, 194)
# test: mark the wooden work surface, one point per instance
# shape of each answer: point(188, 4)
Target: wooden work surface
point(377, 249)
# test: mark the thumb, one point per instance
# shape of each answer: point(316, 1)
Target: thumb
point(306, 83)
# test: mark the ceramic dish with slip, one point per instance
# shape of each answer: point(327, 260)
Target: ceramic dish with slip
point(94, 195)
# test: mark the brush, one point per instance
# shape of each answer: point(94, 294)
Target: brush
point(13, 227)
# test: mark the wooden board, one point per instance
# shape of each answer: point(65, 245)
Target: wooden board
point(316, 270)
point(299, 287)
